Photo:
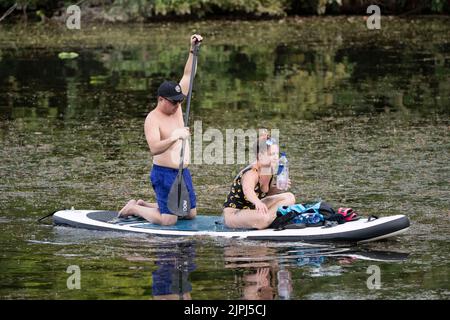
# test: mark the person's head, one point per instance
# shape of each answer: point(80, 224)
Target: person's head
point(267, 151)
point(170, 96)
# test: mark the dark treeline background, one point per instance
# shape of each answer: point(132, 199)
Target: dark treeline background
point(148, 10)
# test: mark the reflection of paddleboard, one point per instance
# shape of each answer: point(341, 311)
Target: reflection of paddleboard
point(361, 230)
point(382, 256)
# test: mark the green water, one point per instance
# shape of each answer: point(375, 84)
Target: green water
point(363, 116)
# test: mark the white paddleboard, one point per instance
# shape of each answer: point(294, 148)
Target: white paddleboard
point(362, 230)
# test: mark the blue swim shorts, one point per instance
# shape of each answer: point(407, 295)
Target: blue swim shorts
point(162, 179)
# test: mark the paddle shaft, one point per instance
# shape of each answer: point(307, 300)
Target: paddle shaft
point(188, 108)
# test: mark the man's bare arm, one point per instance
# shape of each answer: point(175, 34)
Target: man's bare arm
point(185, 80)
point(153, 137)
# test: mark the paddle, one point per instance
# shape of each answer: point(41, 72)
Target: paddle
point(178, 200)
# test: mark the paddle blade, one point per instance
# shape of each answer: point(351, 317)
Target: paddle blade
point(178, 200)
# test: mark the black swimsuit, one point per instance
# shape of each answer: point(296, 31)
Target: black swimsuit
point(236, 198)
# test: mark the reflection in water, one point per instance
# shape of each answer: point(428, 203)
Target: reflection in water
point(259, 285)
point(335, 70)
point(170, 280)
point(224, 269)
point(284, 284)
point(262, 278)
point(316, 260)
point(265, 273)
point(174, 261)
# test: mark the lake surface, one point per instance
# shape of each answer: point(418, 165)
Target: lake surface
point(363, 116)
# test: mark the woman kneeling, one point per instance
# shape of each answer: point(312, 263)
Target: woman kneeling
point(253, 199)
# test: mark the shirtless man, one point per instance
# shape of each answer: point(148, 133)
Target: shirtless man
point(164, 130)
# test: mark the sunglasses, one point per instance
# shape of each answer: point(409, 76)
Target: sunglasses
point(174, 102)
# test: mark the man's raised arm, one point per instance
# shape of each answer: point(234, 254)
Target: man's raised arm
point(184, 82)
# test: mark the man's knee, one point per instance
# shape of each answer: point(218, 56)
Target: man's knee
point(192, 214)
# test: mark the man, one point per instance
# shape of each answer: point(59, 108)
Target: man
point(164, 130)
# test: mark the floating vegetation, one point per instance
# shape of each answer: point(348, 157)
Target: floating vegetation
point(67, 55)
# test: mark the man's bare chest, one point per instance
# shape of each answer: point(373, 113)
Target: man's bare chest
point(168, 126)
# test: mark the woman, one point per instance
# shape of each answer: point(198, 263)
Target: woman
point(253, 199)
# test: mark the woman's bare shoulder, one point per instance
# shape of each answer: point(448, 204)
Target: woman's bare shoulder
point(250, 176)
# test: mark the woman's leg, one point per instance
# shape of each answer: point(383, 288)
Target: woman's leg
point(279, 200)
point(249, 218)
point(244, 218)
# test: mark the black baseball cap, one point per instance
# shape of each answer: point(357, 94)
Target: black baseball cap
point(171, 91)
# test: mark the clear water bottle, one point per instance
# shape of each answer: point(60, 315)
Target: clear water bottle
point(283, 172)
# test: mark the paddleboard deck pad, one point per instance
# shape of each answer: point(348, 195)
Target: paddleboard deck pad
point(362, 230)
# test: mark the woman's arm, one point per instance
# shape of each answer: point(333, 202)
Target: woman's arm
point(249, 181)
point(274, 190)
